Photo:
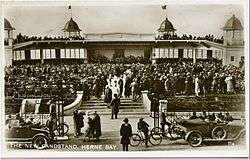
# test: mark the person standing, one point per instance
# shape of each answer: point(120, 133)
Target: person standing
point(197, 86)
point(229, 83)
point(133, 89)
point(125, 133)
point(108, 95)
point(127, 87)
point(115, 104)
point(143, 126)
point(120, 83)
point(76, 123)
point(97, 126)
point(50, 125)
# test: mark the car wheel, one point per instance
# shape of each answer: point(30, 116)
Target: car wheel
point(194, 139)
point(40, 142)
point(219, 133)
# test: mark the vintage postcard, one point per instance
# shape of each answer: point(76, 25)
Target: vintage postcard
point(151, 78)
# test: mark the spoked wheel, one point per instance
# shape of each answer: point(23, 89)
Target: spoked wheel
point(40, 142)
point(64, 127)
point(194, 139)
point(219, 133)
point(135, 140)
point(155, 139)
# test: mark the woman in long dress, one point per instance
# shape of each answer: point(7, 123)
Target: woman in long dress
point(196, 86)
point(86, 127)
point(229, 82)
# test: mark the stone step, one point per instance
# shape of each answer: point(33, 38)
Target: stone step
point(125, 113)
point(109, 110)
point(122, 112)
point(105, 107)
point(100, 101)
point(105, 104)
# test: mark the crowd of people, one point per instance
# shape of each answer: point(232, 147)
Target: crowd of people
point(180, 78)
point(87, 126)
point(208, 37)
point(24, 38)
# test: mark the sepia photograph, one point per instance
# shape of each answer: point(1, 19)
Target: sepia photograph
point(151, 79)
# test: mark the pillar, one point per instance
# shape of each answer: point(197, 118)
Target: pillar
point(41, 56)
point(194, 55)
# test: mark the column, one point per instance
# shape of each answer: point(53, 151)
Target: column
point(41, 55)
point(194, 54)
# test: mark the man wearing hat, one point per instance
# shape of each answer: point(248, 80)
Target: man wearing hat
point(125, 133)
point(143, 126)
point(115, 104)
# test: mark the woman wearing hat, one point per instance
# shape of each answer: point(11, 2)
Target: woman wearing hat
point(125, 133)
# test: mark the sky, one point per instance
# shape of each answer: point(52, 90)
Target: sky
point(197, 20)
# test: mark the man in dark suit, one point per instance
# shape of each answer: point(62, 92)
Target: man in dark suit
point(143, 126)
point(97, 126)
point(115, 104)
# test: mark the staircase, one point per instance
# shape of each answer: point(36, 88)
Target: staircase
point(127, 107)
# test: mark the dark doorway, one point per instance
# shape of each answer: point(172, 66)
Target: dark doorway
point(180, 53)
point(147, 53)
point(57, 53)
point(90, 55)
point(119, 53)
point(27, 55)
point(209, 54)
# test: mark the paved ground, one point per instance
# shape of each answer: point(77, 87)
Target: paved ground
point(110, 140)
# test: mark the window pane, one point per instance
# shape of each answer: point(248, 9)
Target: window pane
point(47, 52)
point(175, 53)
point(185, 53)
point(44, 54)
point(22, 55)
point(33, 54)
point(67, 53)
point(18, 55)
point(82, 52)
point(53, 54)
point(37, 54)
point(72, 51)
point(77, 53)
point(14, 55)
point(204, 54)
point(62, 53)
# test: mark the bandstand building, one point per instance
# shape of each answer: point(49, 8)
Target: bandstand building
point(78, 46)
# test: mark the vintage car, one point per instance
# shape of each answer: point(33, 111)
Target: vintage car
point(38, 136)
point(196, 131)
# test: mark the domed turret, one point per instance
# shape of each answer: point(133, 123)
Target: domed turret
point(7, 25)
point(233, 24)
point(71, 29)
point(166, 27)
point(8, 33)
point(233, 32)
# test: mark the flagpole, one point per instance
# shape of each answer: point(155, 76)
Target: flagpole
point(70, 11)
point(164, 7)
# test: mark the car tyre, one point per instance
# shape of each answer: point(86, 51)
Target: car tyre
point(194, 139)
point(219, 132)
point(40, 142)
